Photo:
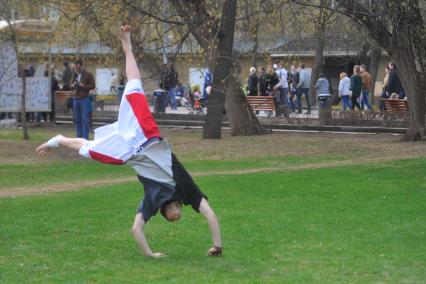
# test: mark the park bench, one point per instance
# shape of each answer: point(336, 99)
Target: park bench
point(395, 107)
point(265, 103)
point(105, 102)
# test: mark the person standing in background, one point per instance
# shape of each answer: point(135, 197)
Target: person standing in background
point(169, 79)
point(207, 82)
point(344, 90)
point(252, 83)
point(367, 83)
point(263, 91)
point(303, 89)
point(293, 80)
point(82, 83)
point(394, 84)
point(356, 87)
point(282, 86)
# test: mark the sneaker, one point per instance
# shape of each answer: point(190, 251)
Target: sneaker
point(308, 112)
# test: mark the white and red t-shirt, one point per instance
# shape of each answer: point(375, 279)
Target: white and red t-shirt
point(116, 143)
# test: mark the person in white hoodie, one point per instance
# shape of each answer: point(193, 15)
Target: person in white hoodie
point(344, 92)
point(282, 86)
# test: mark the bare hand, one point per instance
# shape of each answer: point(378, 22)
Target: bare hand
point(215, 251)
point(124, 34)
point(157, 255)
point(43, 148)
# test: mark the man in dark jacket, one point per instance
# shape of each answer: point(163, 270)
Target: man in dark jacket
point(293, 81)
point(394, 85)
point(262, 82)
point(82, 83)
point(252, 83)
point(169, 79)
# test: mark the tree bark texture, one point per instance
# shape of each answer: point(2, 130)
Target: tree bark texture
point(25, 135)
point(401, 32)
point(222, 71)
point(319, 50)
point(243, 121)
point(209, 35)
point(13, 37)
point(373, 67)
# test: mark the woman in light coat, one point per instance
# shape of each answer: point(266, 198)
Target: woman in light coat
point(344, 92)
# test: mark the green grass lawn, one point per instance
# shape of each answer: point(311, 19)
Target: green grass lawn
point(82, 170)
point(357, 224)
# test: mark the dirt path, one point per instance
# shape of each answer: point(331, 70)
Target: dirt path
point(46, 189)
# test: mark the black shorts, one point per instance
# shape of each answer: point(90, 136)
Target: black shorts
point(186, 189)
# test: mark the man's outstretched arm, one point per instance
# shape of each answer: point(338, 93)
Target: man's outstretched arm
point(59, 140)
point(138, 234)
point(209, 214)
point(132, 70)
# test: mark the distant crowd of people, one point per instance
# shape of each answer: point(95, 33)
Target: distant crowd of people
point(288, 88)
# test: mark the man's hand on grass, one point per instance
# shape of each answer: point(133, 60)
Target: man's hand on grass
point(215, 251)
point(157, 255)
point(43, 148)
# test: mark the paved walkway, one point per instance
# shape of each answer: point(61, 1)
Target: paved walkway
point(185, 110)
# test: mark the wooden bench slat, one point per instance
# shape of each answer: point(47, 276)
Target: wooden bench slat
point(261, 103)
point(395, 105)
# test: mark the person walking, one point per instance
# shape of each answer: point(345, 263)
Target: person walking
point(344, 90)
point(367, 84)
point(303, 89)
point(356, 87)
point(169, 79)
point(293, 79)
point(282, 86)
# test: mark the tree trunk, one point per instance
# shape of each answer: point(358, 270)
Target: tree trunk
point(25, 135)
point(404, 39)
point(318, 61)
point(373, 68)
point(414, 85)
point(222, 71)
point(363, 57)
point(408, 44)
point(205, 33)
point(255, 43)
point(317, 64)
point(240, 114)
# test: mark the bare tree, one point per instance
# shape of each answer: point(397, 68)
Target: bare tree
point(216, 40)
point(398, 27)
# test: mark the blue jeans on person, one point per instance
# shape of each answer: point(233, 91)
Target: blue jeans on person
point(385, 95)
point(283, 100)
point(346, 103)
point(172, 97)
point(291, 103)
point(81, 108)
point(299, 93)
point(364, 99)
